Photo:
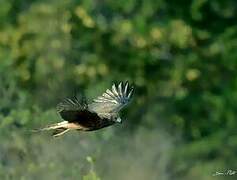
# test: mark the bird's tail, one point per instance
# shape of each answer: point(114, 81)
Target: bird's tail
point(58, 128)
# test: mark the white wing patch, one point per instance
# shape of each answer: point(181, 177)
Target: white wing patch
point(112, 101)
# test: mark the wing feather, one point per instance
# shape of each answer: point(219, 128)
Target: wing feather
point(112, 101)
point(115, 92)
point(126, 89)
point(130, 94)
point(120, 90)
point(69, 109)
point(107, 96)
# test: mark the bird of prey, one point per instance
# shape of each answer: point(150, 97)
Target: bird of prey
point(103, 111)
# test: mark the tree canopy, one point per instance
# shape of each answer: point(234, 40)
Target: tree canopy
point(181, 56)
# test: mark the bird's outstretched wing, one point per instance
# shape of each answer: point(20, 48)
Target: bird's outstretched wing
point(112, 101)
point(71, 109)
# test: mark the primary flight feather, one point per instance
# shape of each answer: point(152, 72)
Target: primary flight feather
point(102, 112)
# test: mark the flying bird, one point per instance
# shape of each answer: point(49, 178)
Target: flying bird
point(103, 111)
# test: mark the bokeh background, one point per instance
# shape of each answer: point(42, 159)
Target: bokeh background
point(181, 56)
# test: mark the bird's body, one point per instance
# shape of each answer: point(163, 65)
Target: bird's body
point(102, 112)
point(87, 121)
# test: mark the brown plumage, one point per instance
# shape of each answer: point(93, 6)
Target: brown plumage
point(102, 112)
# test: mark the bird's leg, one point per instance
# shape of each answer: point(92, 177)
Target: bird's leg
point(60, 133)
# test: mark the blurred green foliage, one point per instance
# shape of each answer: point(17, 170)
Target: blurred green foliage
point(180, 55)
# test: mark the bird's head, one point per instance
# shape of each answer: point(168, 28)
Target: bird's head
point(116, 119)
point(119, 120)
